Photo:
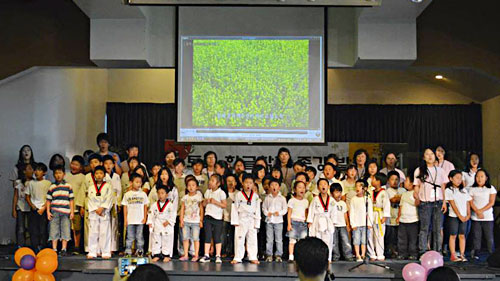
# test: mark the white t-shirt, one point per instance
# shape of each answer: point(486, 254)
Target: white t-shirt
point(340, 214)
point(394, 206)
point(299, 208)
point(135, 202)
point(192, 207)
point(211, 209)
point(22, 205)
point(469, 178)
point(460, 198)
point(409, 212)
point(357, 211)
point(37, 190)
point(481, 197)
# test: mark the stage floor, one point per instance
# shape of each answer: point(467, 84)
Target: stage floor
point(79, 268)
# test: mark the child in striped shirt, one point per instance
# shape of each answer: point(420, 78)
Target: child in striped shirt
point(60, 210)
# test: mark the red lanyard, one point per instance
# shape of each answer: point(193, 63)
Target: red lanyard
point(249, 200)
point(325, 206)
point(161, 209)
point(98, 189)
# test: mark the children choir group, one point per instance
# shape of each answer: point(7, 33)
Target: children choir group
point(362, 211)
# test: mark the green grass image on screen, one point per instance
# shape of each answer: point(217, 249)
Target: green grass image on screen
point(251, 83)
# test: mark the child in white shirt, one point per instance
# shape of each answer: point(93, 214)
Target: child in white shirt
point(408, 222)
point(483, 199)
point(459, 213)
point(322, 215)
point(135, 212)
point(297, 214)
point(381, 213)
point(115, 181)
point(358, 215)
point(214, 203)
point(100, 200)
point(245, 216)
point(191, 218)
point(342, 227)
point(274, 208)
point(161, 221)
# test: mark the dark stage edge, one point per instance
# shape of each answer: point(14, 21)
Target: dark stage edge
point(79, 268)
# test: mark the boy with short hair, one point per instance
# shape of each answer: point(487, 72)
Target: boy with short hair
point(394, 192)
point(274, 208)
point(82, 200)
point(245, 216)
point(381, 212)
point(135, 210)
point(36, 195)
point(161, 221)
point(357, 217)
point(100, 201)
point(76, 178)
point(342, 227)
point(115, 181)
point(408, 222)
point(60, 210)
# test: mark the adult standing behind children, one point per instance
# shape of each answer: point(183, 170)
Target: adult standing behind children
point(103, 143)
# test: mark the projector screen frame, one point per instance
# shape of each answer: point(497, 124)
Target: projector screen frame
point(325, 89)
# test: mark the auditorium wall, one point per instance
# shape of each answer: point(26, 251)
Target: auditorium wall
point(345, 86)
point(491, 135)
point(55, 110)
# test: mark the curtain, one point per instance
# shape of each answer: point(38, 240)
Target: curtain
point(457, 127)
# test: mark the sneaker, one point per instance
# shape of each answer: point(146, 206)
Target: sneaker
point(454, 258)
point(349, 259)
point(205, 259)
point(278, 259)
point(63, 253)
point(290, 258)
point(140, 254)
point(269, 259)
point(401, 257)
point(359, 259)
point(218, 259)
point(412, 258)
point(464, 259)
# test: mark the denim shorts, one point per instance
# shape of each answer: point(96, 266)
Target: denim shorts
point(191, 231)
point(299, 230)
point(359, 235)
point(59, 227)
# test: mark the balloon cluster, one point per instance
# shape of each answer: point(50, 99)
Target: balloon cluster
point(418, 272)
point(35, 268)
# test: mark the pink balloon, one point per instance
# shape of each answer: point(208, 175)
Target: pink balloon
point(414, 272)
point(431, 260)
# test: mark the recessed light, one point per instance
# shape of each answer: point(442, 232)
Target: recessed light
point(439, 77)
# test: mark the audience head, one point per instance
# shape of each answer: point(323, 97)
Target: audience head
point(443, 273)
point(148, 272)
point(311, 258)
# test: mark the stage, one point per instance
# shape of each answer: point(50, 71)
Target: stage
point(79, 268)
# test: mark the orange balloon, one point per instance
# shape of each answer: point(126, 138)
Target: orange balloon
point(20, 253)
point(45, 252)
point(46, 264)
point(43, 277)
point(23, 275)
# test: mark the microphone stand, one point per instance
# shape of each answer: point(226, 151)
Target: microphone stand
point(366, 261)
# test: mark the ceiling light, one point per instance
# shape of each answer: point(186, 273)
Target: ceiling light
point(439, 77)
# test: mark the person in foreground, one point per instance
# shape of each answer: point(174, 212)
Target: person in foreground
point(311, 260)
point(443, 273)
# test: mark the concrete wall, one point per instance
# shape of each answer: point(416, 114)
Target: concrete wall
point(491, 135)
point(55, 110)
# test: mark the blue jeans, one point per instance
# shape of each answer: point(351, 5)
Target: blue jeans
point(274, 231)
point(191, 231)
point(21, 227)
point(359, 235)
point(430, 213)
point(341, 239)
point(134, 232)
point(59, 227)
